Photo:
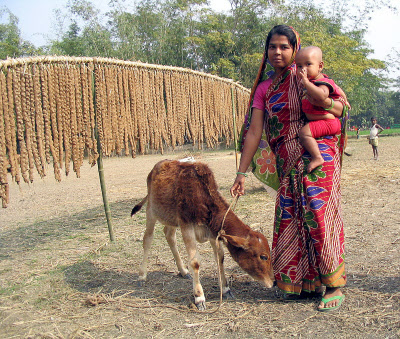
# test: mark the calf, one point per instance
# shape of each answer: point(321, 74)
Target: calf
point(185, 195)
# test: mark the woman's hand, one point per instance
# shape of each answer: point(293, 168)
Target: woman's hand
point(238, 186)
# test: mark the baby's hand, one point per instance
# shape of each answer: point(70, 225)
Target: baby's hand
point(303, 75)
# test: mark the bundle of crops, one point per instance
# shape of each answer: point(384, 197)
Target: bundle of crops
point(51, 106)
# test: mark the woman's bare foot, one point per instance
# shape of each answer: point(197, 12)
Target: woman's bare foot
point(329, 293)
point(314, 163)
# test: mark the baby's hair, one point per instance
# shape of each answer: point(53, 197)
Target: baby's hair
point(312, 49)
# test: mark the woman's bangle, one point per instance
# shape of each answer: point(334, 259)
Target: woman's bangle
point(332, 104)
point(245, 174)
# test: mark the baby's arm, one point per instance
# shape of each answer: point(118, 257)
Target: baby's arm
point(320, 92)
point(337, 109)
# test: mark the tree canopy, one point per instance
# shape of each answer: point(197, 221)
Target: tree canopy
point(11, 43)
point(189, 33)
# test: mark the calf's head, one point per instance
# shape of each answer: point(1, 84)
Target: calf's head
point(253, 256)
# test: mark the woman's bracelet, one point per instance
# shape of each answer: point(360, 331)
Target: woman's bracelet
point(333, 104)
point(245, 174)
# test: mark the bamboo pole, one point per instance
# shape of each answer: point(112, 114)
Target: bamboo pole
point(101, 170)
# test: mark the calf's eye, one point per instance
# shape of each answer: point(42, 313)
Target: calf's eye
point(263, 257)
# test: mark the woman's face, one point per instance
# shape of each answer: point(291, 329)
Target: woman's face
point(279, 52)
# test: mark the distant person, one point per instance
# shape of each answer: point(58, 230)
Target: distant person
point(358, 133)
point(319, 87)
point(373, 136)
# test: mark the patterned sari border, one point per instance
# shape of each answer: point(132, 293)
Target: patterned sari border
point(336, 278)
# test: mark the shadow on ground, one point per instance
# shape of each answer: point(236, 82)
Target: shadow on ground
point(29, 236)
point(165, 286)
point(373, 283)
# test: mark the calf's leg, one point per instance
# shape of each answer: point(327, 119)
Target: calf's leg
point(189, 238)
point(170, 235)
point(147, 240)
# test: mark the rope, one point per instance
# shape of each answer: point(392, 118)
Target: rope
point(45, 59)
point(221, 232)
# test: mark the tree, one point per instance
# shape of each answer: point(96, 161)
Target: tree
point(71, 44)
point(86, 35)
point(11, 43)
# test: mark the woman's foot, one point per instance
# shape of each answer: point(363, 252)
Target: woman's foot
point(318, 293)
point(332, 299)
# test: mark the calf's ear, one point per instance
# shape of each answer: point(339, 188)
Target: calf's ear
point(236, 241)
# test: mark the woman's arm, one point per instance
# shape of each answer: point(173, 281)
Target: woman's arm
point(251, 143)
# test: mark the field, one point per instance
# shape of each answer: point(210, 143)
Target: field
point(386, 132)
point(61, 277)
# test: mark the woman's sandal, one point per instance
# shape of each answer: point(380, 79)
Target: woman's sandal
point(325, 301)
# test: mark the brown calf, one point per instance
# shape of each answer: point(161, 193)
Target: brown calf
point(185, 195)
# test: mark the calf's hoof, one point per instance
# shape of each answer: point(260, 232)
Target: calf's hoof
point(187, 276)
point(228, 295)
point(141, 283)
point(201, 306)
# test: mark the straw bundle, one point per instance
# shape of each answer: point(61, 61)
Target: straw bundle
point(50, 106)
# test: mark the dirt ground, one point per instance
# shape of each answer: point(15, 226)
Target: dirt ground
point(61, 277)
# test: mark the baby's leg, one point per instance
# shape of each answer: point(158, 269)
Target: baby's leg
point(311, 145)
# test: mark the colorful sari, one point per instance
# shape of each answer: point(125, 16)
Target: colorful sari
point(308, 239)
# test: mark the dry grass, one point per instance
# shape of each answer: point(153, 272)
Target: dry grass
point(60, 277)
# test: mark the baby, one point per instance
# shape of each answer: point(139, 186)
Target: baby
point(317, 85)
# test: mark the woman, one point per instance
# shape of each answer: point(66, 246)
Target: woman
point(308, 240)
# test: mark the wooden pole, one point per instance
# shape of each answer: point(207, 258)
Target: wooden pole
point(101, 169)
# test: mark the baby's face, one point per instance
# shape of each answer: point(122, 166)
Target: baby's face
point(310, 62)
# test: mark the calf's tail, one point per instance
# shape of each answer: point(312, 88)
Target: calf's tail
point(139, 206)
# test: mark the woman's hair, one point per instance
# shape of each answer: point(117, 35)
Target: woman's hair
point(282, 30)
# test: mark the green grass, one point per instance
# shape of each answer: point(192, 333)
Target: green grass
point(386, 131)
point(10, 290)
